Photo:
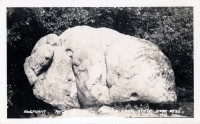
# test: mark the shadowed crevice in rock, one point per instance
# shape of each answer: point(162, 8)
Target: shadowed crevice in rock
point(134, 95)
point(45, 69)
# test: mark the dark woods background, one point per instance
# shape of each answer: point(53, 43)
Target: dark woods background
point(171, 28)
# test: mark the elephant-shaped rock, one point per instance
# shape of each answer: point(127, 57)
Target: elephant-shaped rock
point(88, 66)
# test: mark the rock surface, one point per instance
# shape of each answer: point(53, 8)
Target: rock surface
point(37, 62)
point(56, 84)
point(102, 66)
point(111, 67)
point(51, 39)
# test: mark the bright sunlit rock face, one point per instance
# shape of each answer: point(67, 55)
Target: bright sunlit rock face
point(99, 66)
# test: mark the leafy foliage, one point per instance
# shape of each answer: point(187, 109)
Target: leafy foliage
point(170, 28)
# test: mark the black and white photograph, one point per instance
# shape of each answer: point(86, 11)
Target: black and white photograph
point(79, 62)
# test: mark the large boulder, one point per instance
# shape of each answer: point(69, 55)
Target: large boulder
point(49, 71)
point(112, 67)
point(99, 66)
